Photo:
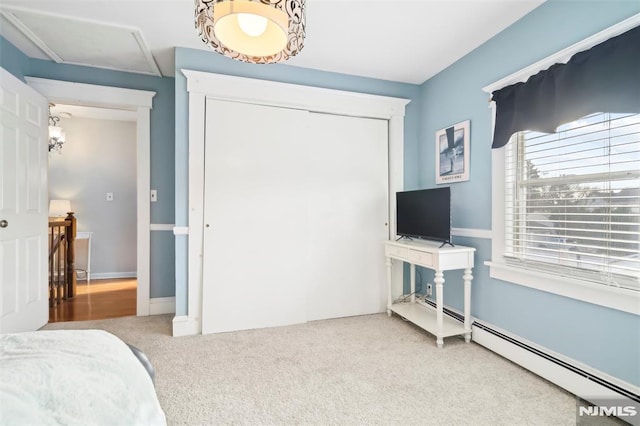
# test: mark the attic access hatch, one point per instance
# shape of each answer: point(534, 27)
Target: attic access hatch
point(82, 42)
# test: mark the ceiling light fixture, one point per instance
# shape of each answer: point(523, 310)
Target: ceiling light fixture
point(255, 31)
point(57, 136)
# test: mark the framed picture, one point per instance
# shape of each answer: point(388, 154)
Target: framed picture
point(452, 153)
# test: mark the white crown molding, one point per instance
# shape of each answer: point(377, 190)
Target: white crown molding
point(287, 95)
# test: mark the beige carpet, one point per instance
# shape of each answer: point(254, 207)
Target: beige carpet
point(352, 371)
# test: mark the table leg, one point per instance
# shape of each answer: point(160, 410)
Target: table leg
point(439, 280)
point(389, 297)
point(412, 281)
point(467, 277)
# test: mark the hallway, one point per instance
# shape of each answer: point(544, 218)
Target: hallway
point(102, 299)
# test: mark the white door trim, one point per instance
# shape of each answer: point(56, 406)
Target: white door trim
point(141, 102)
point(201, 85)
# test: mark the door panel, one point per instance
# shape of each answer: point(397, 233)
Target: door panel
point(296, 210)
point(23, 205)
point(255, 257)
point(348, 210)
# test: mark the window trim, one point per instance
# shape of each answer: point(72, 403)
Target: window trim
point(621, 299)
point(599, 294)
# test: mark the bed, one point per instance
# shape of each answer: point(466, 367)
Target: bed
point(75, 377)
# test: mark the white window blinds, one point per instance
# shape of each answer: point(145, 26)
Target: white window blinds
point(572, 200)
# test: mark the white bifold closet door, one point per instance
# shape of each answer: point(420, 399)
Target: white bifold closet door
point(296, 209)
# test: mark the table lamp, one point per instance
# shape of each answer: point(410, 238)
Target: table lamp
point(59, 208)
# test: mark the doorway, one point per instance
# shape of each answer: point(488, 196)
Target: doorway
point(94, 173)
point(140, 103)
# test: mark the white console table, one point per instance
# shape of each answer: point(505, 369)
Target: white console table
point(429, 255)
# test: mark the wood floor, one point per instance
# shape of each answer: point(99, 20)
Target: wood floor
point(101, 299)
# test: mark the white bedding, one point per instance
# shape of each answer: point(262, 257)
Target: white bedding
point(74, 377)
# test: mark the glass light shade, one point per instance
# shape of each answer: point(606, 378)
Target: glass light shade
point(229, 30)
point(59, 208)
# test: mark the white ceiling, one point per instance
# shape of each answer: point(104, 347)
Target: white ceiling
point(406, 41)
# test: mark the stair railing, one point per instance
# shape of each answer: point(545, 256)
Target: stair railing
point(62, 278)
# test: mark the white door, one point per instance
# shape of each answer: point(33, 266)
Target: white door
point(349, 216)
point(296, 210)
point(255, 217)
point(23, 207)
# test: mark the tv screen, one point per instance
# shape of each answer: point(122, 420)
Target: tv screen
point(425, 213)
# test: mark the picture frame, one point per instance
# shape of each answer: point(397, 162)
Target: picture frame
point(452, 153)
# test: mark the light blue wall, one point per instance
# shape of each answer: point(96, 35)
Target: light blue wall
point(162, 144)
point(605, 339)
point(12, 59)
point(201, 60)
point(599, 337)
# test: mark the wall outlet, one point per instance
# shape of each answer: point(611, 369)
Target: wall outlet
point(154, 195)
point(429, 289)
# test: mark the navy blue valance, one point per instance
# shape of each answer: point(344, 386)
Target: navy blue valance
point(605, 78)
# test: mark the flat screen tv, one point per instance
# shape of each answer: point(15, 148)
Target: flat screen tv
point(425, 214)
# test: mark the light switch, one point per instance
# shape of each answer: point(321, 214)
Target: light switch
point(109, 196)
point(154, 195)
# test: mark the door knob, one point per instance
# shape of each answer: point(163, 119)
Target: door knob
point(3, 223)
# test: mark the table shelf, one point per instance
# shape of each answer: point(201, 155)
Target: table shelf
point(425, 317)
point(439, 258)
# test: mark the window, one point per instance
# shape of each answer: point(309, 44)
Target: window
point(572, 200)
point(565, 206)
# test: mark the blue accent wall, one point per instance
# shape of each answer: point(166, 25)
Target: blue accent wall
point(201, 60)
point(13, 60)
point(162, 144)
point(602, 338)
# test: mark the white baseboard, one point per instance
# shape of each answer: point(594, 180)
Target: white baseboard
point(112, 275)
point(162, 305)
point(556, 368)
point(183, 325)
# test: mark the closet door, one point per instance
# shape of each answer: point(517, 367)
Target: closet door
point(296, 210)
point(255, 217)
point(348, 216)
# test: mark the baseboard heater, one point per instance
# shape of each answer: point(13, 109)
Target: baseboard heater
point(579, 381)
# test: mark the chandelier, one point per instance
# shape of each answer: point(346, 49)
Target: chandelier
point(56, 133)
point(255, 31)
